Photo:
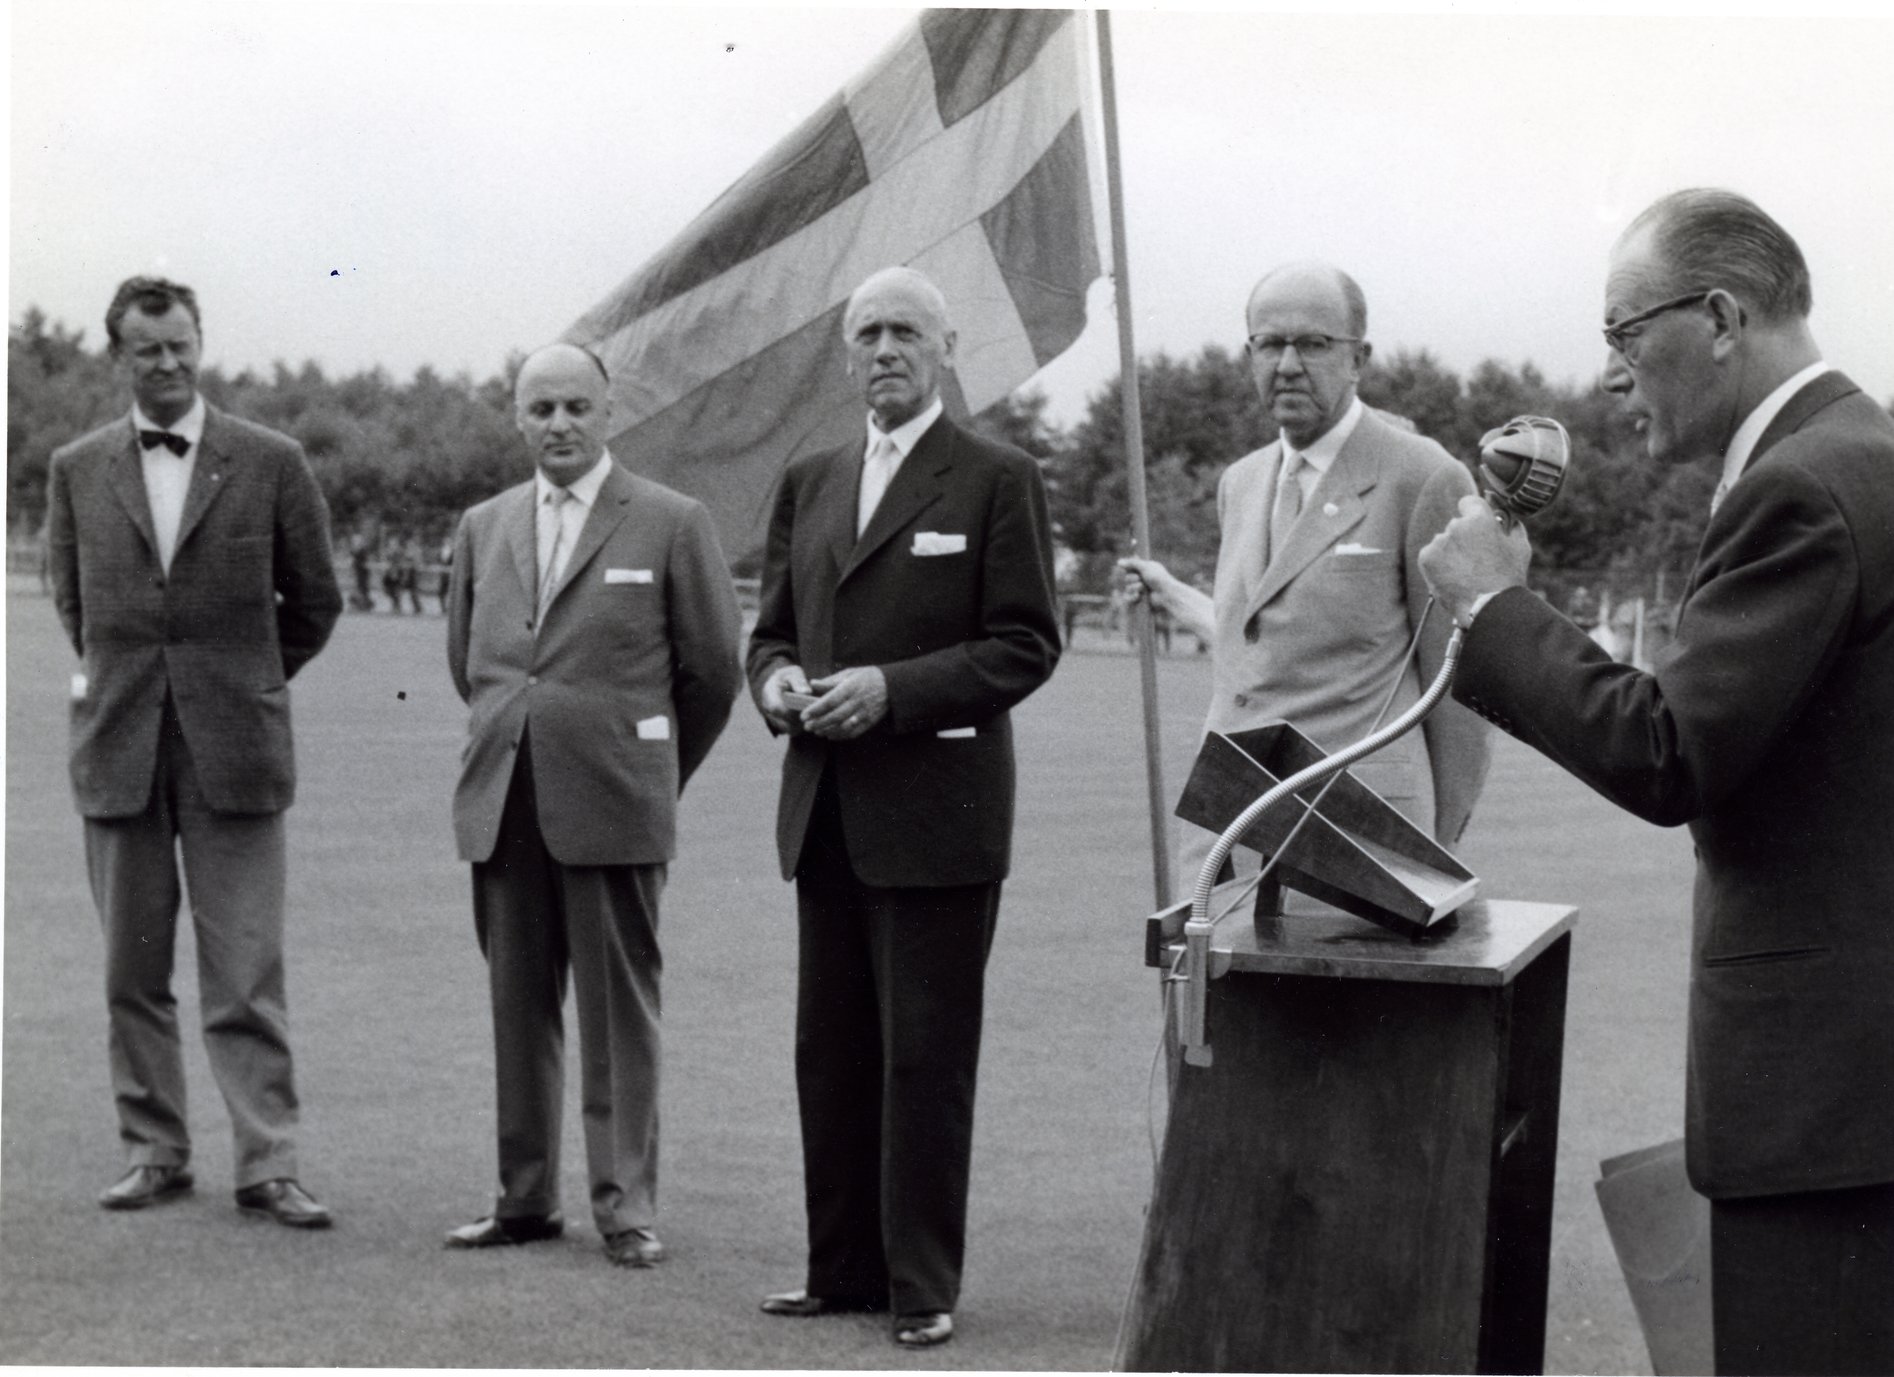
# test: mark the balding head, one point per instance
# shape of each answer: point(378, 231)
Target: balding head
point(562, 406)
point(1307, 347)
point(1313, 277)
point(898, 341)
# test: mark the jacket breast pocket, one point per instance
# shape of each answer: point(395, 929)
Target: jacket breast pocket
point(1360, 595)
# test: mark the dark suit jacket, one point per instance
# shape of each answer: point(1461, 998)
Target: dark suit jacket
point(1770, 730)
point(642, 631)
point(961, 636)
point(250, 597)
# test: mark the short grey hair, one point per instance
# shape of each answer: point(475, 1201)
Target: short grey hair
point(1353, 298)
point(1707, 238)
point(912, 278)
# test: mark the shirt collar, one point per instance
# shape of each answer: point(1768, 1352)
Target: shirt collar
point(190, 425)
point(1743, 443)
point(1321, 454)
point(585, 487)
point(909, 432)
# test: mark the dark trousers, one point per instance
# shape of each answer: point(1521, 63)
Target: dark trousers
point(888, 1011)
point(540, 923)
point(1804, 1283)
point(234, 866)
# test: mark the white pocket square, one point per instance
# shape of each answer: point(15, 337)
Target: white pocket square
point(627, 576)
point(655, 729)
point(936, 543)
point(79, 688)
point(957, 733)
point(1353, 549)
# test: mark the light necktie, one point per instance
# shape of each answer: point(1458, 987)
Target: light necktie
point(549, 574)
point(1288, 501)
point(1716, 498)
point(877, 473)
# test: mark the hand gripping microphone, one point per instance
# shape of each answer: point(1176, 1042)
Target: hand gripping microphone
point(1521, 469)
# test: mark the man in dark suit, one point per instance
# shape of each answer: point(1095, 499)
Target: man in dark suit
point(1770, 730)
point(907, 587)
point(592, 631)
point(191, 568)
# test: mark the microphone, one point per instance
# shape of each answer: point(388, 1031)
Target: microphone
point(1522, 466)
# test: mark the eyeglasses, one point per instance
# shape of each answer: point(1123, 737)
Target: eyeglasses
point(1271, 348)
point(1616, 335)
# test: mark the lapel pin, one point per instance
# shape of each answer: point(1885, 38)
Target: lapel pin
point(1330, 509)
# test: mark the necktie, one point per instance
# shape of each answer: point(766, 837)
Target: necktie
point(171, 440)
point(1288, 502)
point(877, 473)
point(549, 574)
point(1716, 498)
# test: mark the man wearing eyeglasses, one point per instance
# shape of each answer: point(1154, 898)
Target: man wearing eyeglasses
point(1770, 731)
point(1318, 594)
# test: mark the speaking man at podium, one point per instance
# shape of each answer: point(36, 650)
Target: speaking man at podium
point(1769, 729)
point(1318, 589)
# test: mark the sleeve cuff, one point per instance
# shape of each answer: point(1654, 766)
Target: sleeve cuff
point(1473, 612)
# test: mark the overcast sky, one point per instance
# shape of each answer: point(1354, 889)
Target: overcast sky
point(442, 183)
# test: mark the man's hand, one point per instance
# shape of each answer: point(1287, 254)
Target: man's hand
point(780, 714)
point(1144, 576)
point(1475, 555)
point(852, 701)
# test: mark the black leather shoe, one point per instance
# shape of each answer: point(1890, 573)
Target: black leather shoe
point(634, 1248)
point(800, 1305)
point(923, 1331)
point(497, 1232)
point(285, 1202)
point(147, 1185)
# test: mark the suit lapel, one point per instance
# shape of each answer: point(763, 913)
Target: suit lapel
point(128, 484)
point(516, 525)
point(917, 486)
point(609, 510)
point(836, 502)
point(1344, 487)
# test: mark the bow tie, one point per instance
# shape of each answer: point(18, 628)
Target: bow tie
point(171, 440)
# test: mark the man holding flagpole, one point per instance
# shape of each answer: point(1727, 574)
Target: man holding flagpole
point(907, 604)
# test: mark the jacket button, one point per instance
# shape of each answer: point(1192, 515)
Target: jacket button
point(531, 679)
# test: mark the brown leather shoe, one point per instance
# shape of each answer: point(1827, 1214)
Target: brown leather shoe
point(146, 1185)
point(497, 1232)
point(923, 1331)
point(800, 1305)
point(634, 1248)
point(285, 1202)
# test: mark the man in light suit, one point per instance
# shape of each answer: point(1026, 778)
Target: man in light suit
point(592, 631)
point(1318, 593)
point(191, 567)
point(907, 587)
point(1769, 728)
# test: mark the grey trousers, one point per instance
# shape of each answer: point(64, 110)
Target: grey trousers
point(234, 867)
point(539, 924)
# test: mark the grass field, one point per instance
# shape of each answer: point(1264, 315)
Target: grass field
point(389, 1018)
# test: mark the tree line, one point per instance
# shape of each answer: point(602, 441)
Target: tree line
point(404, 459)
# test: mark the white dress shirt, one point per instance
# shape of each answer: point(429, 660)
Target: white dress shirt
point(1743, 443)
point(557, 524)
point(879, 468)
point(168, 475)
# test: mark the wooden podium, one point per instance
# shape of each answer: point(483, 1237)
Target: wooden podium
point(1361, 1181)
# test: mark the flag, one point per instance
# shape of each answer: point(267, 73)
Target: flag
point(960, 152)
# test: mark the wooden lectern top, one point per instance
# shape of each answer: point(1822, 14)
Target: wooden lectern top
point(1488, 942)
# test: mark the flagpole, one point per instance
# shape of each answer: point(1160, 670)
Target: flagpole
point(1141, 619)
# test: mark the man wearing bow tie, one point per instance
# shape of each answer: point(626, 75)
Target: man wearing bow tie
point(191, 568)
point(907, 588)
point(1318, 592)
